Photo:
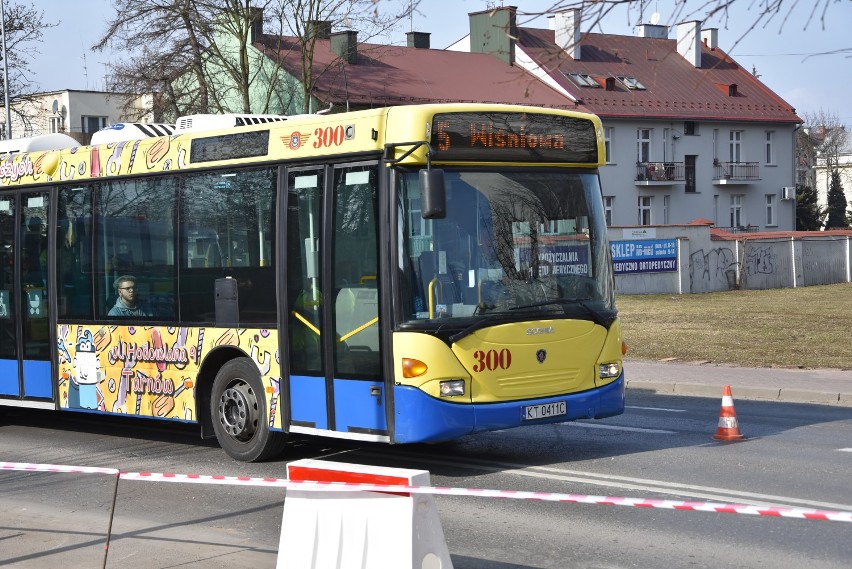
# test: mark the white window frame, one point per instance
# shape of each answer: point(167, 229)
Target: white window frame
point(737, 211)
point(645, 205)
point(666, 205)
point(84, 123)
point(609, 131)
point(769, 145)
point(771, 201)
point(735, 146)
point(643, 145)
point(55, 124)
point(609, 208)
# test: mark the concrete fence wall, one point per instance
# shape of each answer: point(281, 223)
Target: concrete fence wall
point(708, 262)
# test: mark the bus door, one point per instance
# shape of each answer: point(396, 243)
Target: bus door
point(334, 355)
point(25, 281)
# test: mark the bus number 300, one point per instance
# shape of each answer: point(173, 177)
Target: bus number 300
point(492, 359)
point(329, 136)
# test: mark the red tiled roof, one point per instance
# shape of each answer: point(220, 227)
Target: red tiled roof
point(392, 75)
point(674, 87)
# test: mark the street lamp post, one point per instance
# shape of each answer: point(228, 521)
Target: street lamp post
point(5, 72)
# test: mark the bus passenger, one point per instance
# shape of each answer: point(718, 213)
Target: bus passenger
point(128, 303)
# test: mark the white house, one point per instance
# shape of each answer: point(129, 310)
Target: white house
point(689, 133)
point(75, 113)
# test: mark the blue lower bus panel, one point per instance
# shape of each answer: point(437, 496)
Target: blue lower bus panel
point(421, 418)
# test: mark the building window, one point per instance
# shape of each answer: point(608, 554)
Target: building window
point(631, 82)
point(583, 80)
point(690, 128)
point(666, 145)
point(689, 173)
point(608, 135)
point(643, 145)
point(770, 150)
point(644, 210)
point(666, 200)
point(770, 210)
point(735, 146)
point(54, 124)
point(609, 205)
point(716, 210)
point(737, 211)
point(93, 124)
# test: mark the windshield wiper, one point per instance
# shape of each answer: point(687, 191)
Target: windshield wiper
point(604, 317)
point(481, 323)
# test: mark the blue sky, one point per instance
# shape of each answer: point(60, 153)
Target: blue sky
point(782, 50)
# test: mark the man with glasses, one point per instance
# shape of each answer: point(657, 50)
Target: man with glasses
point(128, 302)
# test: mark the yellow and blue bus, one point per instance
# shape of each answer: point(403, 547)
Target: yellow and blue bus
point(400, 275)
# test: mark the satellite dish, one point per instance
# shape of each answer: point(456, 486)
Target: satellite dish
point(655, 18)
point(55, 106)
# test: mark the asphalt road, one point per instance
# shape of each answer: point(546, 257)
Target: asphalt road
point(798, 455)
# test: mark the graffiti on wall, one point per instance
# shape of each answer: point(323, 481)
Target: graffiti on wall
point(758, 261)
point(713, 270)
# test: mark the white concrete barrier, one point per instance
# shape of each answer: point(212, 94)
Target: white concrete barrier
point(363, 530)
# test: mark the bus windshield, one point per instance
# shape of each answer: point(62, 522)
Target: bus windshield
point(515, 245)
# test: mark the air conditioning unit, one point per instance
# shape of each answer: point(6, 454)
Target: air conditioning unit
point(788, 193)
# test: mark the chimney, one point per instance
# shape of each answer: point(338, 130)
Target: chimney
point(256, 30)
point(494, 31)
point(345, 45)
point(319, 28)
point(566, 28)
point(688, 41)
point(420, 40)
point(654, 31)
point(710, 37)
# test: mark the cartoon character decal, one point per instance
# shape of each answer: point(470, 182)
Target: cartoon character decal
point(150, 371)
point(87, 372)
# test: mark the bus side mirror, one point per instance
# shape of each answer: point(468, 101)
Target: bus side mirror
point(433, 197)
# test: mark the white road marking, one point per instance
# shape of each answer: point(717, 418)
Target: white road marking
point(617, 428)
point(656, 409)
point(626, 482)
point(845, 449)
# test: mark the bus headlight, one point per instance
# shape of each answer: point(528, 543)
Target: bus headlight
point(610, 370)
point(452, 388)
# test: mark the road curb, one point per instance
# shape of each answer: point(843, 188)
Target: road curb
point(744, 392)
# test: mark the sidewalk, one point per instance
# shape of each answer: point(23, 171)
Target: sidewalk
point(825, 386)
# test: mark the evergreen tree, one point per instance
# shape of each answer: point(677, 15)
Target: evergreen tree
point(836, 203)
point(809, 215)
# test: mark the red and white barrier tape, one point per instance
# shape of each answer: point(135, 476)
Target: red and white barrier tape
point(56, 468)
point(782, 512)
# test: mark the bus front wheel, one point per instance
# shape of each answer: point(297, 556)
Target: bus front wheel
point(239, 412)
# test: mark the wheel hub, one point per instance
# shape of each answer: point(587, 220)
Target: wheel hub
point(238, 411)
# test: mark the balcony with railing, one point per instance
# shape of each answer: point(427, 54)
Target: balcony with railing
point(659, 173)
point(735, 173)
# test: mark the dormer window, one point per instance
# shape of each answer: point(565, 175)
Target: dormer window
point(631, 82)
point(583, 80)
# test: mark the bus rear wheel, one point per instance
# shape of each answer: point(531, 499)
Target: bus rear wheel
point(240, 416)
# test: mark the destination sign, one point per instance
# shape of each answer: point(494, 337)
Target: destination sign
point(513, 137)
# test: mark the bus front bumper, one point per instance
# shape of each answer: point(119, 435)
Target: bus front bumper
point(420, 418)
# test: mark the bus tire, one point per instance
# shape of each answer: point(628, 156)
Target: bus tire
point(239, 413)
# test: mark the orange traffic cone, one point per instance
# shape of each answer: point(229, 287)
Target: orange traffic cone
point(728, 429)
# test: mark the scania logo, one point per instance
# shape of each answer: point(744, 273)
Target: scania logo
point(541, 355)
point(534, 331)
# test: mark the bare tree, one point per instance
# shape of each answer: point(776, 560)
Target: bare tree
point(198, 55)
point(162, 40)
point(24, 27)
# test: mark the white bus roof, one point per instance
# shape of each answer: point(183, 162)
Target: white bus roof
point(52, 141)
point(131, 131)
